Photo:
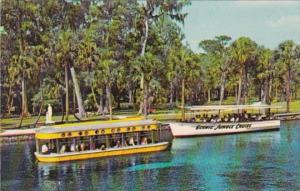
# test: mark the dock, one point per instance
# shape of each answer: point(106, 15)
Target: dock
point(15, 135)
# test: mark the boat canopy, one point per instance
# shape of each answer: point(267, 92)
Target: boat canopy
point(230, 107)
point(100, 128)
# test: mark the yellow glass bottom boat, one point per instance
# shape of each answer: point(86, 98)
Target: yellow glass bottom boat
point(102, 153)
point(101, 139)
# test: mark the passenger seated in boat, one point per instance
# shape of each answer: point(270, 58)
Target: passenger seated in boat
point(246, 117)
point(102, 147)
point(92, 145)
point(45, 149)
point(76, 147)
point(73, 147)
point(62, 149)
point(232, 119)
point(82, 147)
point(258, 117)
point(225, 119)
point(118, 144)
point(237, 119)
point(144, 141)
point(131, 141)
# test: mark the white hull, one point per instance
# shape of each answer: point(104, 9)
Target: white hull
point(180, 129)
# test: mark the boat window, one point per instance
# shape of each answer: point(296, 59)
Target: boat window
point(83, 143)
point(130, 139)
point(64, 145)
point(145, 137)
point(115, 140)
point(46, 146)
point(100, 142)
point(155, 136)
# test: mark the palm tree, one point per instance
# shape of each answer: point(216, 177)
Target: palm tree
point(62, 59)
point(242, 53)
point(153, 10)
point(287, 61)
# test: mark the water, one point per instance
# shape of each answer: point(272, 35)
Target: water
point(254, 161)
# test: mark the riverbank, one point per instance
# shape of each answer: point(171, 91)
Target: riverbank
point(15, 135)
point(159, 114)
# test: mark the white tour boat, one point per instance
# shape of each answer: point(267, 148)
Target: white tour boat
point(201, 124)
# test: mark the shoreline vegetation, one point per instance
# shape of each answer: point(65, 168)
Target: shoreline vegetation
point(100, 57)
point(161, 114)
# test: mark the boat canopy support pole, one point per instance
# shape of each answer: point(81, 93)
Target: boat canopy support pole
point(106, 140)
point(57, 147)
point(152, 136)
point(138, 138)
point(37, 145)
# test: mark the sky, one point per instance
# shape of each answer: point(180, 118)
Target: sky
point(266, 22)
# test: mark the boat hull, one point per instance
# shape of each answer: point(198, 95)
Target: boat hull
point(180, 129)
point(102, 153)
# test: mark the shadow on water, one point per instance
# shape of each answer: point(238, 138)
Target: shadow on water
point(254, 161)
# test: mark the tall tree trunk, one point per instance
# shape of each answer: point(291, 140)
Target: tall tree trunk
point(24, 102)
point(288, 90)
point(130, 94)
point(270, 90)
point(95, 99)
point(265, 95)
point(276, 91)
point(81, 110)
point(62, 110)
point(222, 87)
point(236, 93)
point(142, 87)
point(208, 95)
point(40, 110)
point(143, 104)
point(11, 105)
point(9, 100)
point(171, 93)
point(67, 92)
point(245, 87)
point(73, 100)
point(24, 98)
point(239, 89)
point(108, 94)
point(101, 104)
point(145, 110)
point(183, 100)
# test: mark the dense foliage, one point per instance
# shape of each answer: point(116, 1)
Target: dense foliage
point(98, 55)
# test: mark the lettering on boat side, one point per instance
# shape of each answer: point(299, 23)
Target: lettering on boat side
point(220, 126)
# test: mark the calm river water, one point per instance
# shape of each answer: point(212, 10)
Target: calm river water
point(254, 161)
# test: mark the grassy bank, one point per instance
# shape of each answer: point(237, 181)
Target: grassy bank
point(162, 114)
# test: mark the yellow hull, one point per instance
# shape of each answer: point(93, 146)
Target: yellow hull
point(102, 153)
